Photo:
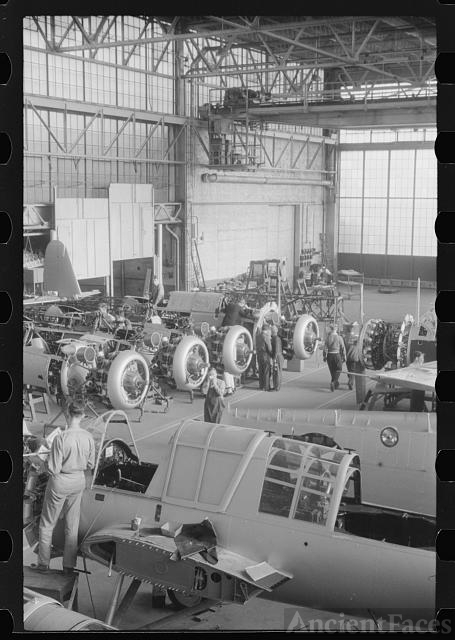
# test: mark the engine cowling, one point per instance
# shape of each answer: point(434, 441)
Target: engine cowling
point(181, 359)
point(237, 350)
point(127, 380)
point(123, 377)
point(305, 337)
point(231, 348)
point(299, 335)
point(190, 363)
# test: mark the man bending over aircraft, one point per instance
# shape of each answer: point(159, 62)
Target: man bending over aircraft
point(104, 320)
point(72, 452)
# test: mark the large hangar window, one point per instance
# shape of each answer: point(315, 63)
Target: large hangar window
point(387, 197)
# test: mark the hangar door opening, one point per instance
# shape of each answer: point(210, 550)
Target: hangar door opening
point(234, 235)
point(133, 277)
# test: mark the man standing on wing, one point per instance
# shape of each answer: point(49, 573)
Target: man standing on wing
point(72, 453)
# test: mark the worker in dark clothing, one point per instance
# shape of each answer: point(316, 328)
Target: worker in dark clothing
point(352, 362)
point(263, 356)
point(104, 320)
point(234, 313)
point(277, 359)
point(122, 324)
point(156, 293)
point(72, 452)
point(334, 353)
point(214, 403)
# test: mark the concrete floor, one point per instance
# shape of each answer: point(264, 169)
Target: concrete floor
point(309, 389)
point(391, 307)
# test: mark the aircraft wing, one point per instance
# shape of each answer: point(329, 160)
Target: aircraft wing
point(151, 556)
point(27, 302)
point(421, 378)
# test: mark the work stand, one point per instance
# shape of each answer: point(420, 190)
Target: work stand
point(155, 393)
point(118, 608)
point(34, 398)
point(54, 584)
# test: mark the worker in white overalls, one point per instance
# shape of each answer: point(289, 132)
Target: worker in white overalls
point(72, 452)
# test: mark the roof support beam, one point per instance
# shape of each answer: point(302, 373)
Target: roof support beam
point(86, 108)
point(274, 57)
point(322, 52)
point(390, 113)
point(340, 41)
point(43, 35)
point(46, 126)
point(271, 68)
point(133, 49)
point(80, 26)
point(366, 39)
point(238, 30)
point(309, 47)
point(66, 32)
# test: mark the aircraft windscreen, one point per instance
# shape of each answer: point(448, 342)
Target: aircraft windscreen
point(300, 479)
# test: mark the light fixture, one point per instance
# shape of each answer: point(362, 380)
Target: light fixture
point(389, 436)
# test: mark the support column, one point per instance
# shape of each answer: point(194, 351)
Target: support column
point(298, 225)
point(158, 262)
point(181, 172)
point(331, 208)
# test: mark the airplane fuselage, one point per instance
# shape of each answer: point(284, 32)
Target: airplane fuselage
point(331, 570)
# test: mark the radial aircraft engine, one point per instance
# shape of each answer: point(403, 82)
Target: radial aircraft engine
point(92, 365)
point(299, 334)
point(382, 342)
point(182, 346)
point(192, 335)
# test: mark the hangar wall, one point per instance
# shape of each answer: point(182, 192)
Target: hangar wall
point(90, 121)
point(234, 234)
point(253, 220)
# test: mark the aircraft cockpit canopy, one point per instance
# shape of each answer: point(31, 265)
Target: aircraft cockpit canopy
point(307, 481)
point(209, 463)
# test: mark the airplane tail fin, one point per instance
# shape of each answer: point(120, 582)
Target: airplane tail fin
point(58, 271)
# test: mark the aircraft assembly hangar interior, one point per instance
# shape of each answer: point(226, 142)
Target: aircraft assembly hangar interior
point(221, 213)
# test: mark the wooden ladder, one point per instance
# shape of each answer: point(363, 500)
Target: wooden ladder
point(197, 266)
